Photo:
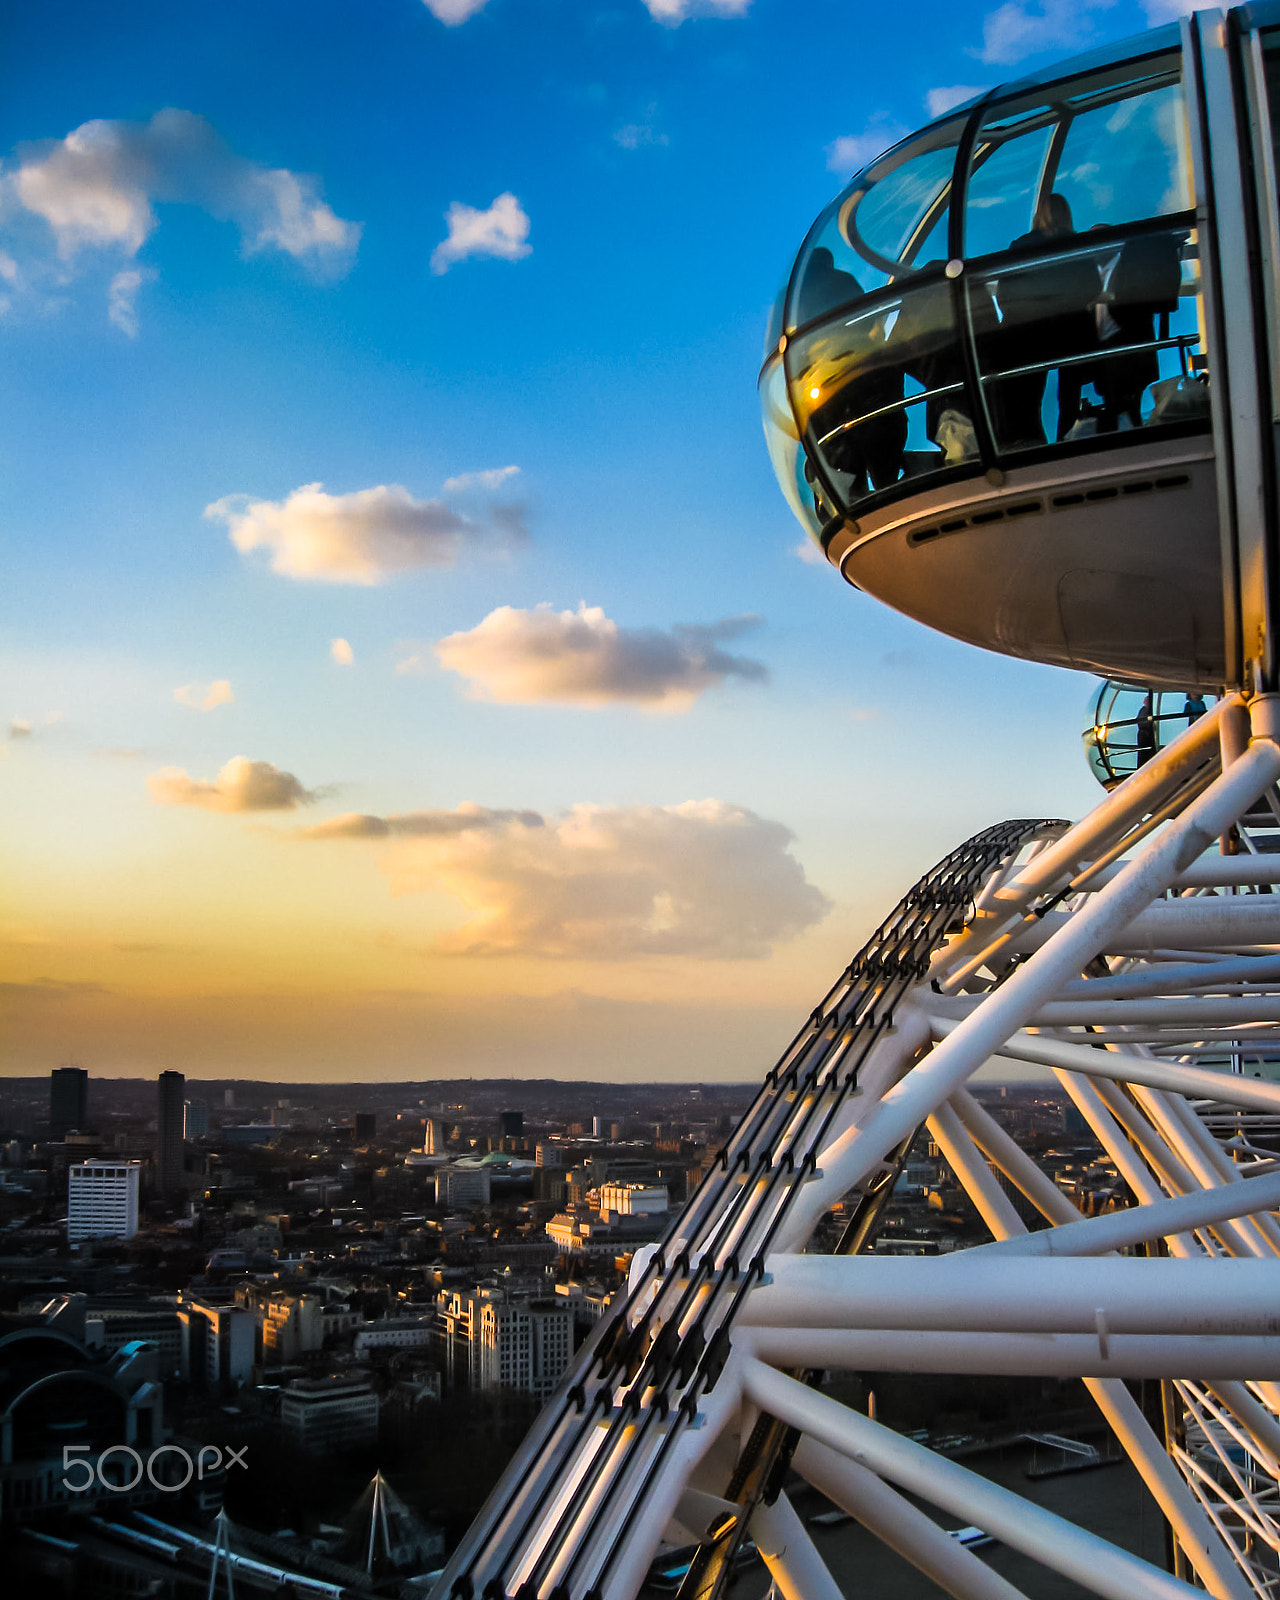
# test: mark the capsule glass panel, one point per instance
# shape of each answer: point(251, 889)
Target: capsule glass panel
point(1127, 725)
point(790, 465)
point(879, 392)
point(890, 220)
point(1107, 150)
point(1081, 343)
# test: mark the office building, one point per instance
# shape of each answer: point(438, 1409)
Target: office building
point(170, 1116)
point(494, 1339)
point(217, 1341)
point(102, 1200)
point(459, 1188)
point(511, 1124)
point(549, 1154)
point(632, 1200)
point(68, 1100)
point(433, 1137)
point(195, 1119)
point(366, 1125)
point(324, 1414)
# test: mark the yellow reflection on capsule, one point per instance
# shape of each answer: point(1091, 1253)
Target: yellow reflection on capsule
point(814, 393)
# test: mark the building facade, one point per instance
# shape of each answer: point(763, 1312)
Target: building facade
point(102, 1200)
point(170, 1118)
point(326, 1414)
point(68, 1100)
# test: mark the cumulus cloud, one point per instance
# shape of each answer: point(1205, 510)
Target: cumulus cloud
point(501, 231)
point(467, 818)
point(939, 101)
point(1016, 30)
point(342, 652)
point(205, 697)
point(242, 785)
point(853, 151)
point(583, 657)
point(364, 537)
point(705, 879)
point(97, 188)
point(452, 12)
point(490, 478)
point(809, 553)
point(19, 728)
point(671, 13)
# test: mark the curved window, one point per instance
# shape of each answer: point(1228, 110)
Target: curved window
point(1127, 725)
point(788, 459)
point(1107, 150)
point(878, 392)
point(890, 220)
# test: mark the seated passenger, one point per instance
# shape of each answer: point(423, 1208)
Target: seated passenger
point(1046, 315)
point(1141, 286)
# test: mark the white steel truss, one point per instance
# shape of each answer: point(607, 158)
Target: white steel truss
point(1136, 957)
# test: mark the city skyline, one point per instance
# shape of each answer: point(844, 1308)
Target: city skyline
point(412, 668)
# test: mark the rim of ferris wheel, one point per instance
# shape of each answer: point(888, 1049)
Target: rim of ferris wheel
point(1095, 491)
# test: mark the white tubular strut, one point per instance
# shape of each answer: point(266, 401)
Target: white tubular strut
point(1133, 963)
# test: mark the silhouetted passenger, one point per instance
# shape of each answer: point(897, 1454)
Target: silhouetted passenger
point(823, 287)
point(1146, 732)
point(1142, 285)
point(1195, 707)
point(1046, 316)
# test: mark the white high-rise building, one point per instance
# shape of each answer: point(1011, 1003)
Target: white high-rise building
point(102, 1200)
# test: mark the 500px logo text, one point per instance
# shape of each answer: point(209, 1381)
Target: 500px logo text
point(209, 1459)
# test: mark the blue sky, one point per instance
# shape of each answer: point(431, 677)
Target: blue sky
point(694, 780)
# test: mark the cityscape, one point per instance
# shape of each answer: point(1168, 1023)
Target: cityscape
point(315, 1293)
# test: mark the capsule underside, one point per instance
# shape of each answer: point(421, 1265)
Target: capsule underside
point(1007, 388)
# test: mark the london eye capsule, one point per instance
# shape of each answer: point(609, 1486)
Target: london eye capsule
point(1001, 389)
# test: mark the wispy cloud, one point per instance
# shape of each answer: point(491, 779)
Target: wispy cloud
point(467, 818)
point(501, 231)
point(638, 135)
point(671, 13)
point(853, 151)
point(490, 478)
point(205, 697)
point(20, 728)
point(97, 190)
point(584, 658)
point(242, 785)
point(1016, 30)
point(704, 879)
point(364, 537)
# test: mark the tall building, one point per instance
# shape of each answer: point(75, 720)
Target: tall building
point(195, 1123)
point(169, 1123)
point(218, 1341)
point(366, 1125)
point(500, 1340)
point(511, 1124)
point(68, 1100)
point(433, 1137)
point(102, 1200)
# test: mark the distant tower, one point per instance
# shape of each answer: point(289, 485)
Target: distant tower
point(366, 1125)
point(511, 1124)
point(169, 1125)
point(68, 1100)
point(433, 1137)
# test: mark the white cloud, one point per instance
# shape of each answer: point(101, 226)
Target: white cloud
point(19, 728)
point(584, 658)
point(491, 478)
point(468, 817)
point(703, 879)
point(500, 231)
point(1016, 30)
point(122, 299)
point(452, 12)
point(342, 652)
point(673, 12)
point(939, 101)
point(242, 785)
point(1160, 11)
point(853, 151)
point(205, 698)
point(97, 189)
point(363, 537)
point(809, 553)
